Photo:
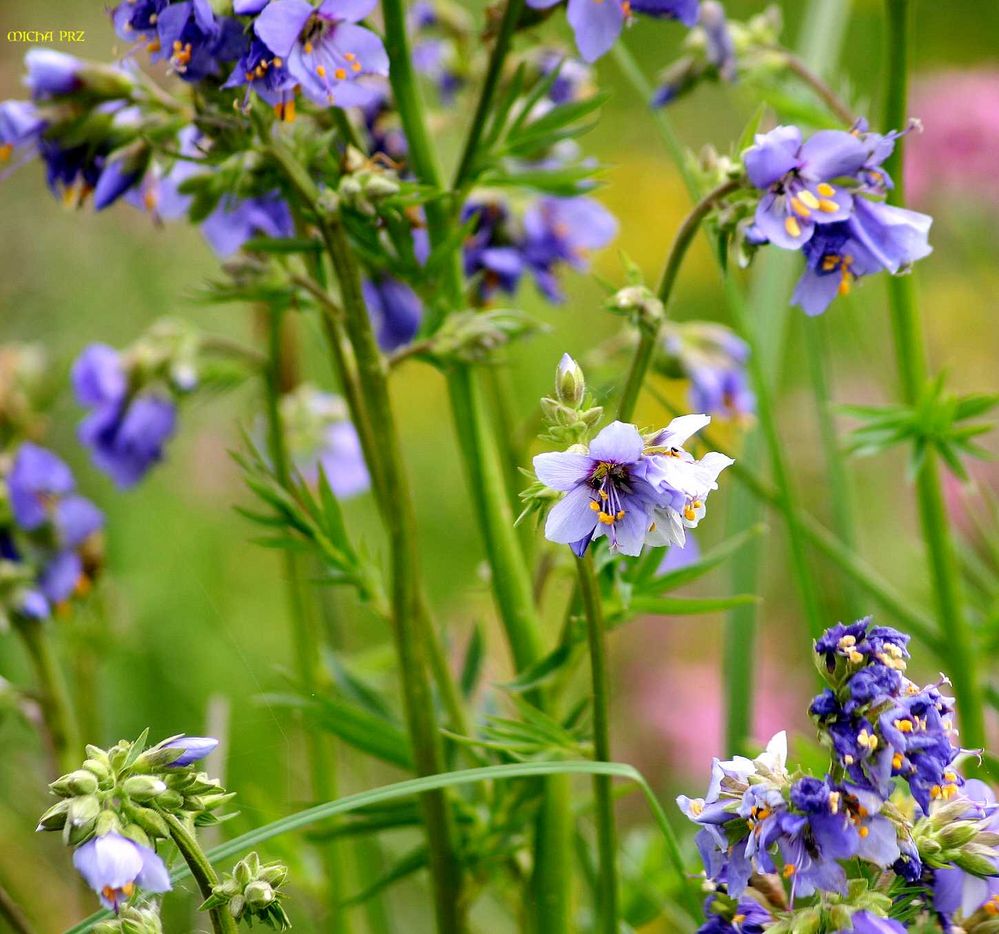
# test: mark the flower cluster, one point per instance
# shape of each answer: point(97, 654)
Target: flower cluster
point(252, 891)
point(631, 488)
point(824, 197)
point(772, 838)
point(553, 232)
point(49, 547)
point(116, 807)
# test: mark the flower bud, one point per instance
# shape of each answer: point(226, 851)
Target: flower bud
point(640, 303)
point(979, 861)
point(958, 833)
point(80, 782)
point(258, 895)
point(54, 818)
point(99, 768)
point(143, 787)
point(149, 820)
point(570, 384)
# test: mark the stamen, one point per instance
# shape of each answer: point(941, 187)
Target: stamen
point(5, 151)
point(340, 74)
point(809, 199)
point(828, 207)
point(792, 226)
point(825, 189)
point(799, 208)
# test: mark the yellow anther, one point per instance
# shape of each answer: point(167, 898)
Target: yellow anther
point(792, 226)
point(603, 494)
point(5, 151)
point(321, 71)
point(845, 285)
point(825, 189)
point(340, 74)
point(950, 776)
point(903, 726)
point(848, 759)
point(738, 919)
point(277, 62)
point(307, 48)
point(828, 207)
point(809, 199)
point(935, 792)
point(594, 505)
point(619, 514)
point(834, 799)
point(788, 871)
point(355, 66)
point(863, 831)
point(896, 761)
point(689, 514)
point(696, 807)
point(154, 47)
point(799, 208)
point(847, 642)
point(350, 56)
point(855, 656)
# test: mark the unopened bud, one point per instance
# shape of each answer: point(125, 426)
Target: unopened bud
point(80, 782)
point(979, 861)
point(55, 817)
point(143, 787)
point(641, 303)
point(258, 895)
point(958, 833)
point(570, 384)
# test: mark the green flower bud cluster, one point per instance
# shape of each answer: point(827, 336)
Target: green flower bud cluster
point(474, 336)
point(127, 789)
point(133, 920)
point(567, 418)
point(252, 891)
point(365, 183)
point(835, 914)
point(641, 305)
point(950, 837)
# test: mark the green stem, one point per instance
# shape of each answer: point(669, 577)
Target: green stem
point(412, 628)
point(607, 910)
point(650, 334)
point(504, 37)
point(11, 912)
point(911, 353)
point(826, 94)
point(57, 708)
point(307, 638)
point(510, 576)
point(201, 870)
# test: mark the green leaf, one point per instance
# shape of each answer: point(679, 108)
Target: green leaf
point(472, 666)
point(138, 747)
point(415, 786)
point(684, 606)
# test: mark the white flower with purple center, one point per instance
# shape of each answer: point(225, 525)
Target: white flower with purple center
point(323, 48)
point(114, 866)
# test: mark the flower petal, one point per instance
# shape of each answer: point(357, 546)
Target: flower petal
point(571, 519)
point(562, 470)
point(596, 25)
point(618, 443)
point(280, 24)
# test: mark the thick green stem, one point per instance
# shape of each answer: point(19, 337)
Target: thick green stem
point(607, 910)
point(57, 708)
point(650, 334)
point(510, 576)
point(911, 353)
point(306, 634)
point(411, 626)
point(201, 870)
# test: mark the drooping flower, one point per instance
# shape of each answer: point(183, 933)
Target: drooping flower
point(320, 435)
point(237, 220)
point(159, 191)
point(597, 24)
point(714, 359)
point(712, 53)
point(125, 431)
point(266, 75)
point(195, 41)
point(395, 309)
point(492, 250)
point(800, 181)
point(323, 48)
point(114, 866)
point(51, 73)
point(563, 230)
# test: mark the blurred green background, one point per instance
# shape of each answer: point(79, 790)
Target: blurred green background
point(189, 628)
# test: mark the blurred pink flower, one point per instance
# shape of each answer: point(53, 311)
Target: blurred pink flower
point(956, 154)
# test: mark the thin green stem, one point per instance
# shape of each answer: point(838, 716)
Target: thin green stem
point(912, 357)
point(607, 907)
point(645, 350)
point(306, 634)
point(11, 912)
point(504, 37)
point(826, 94)
point(412, 628)
point(57, 707)
point(201, 870)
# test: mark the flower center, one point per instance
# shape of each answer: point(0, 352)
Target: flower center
point(605, 480)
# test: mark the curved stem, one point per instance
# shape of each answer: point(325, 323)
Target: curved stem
point(57, 708)
point(508, 24)
point(607, 909)
point(837, 106)
point(11, 912)
point(647, 343)
point(201, 870)
point(911, 353)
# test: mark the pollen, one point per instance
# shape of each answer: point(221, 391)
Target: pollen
point(792, 226)
point(594, 505)
point(788, 871)
point(903, 726)
point(5, 152)
point(864, 831)
point(828, 207)
point(321, 71)
point(350, 56)
point(340, 74)
point(809, 199)
point(799, 207)
point(825, 189)
point(307, 48)
point(277, 62)
point(896, 761)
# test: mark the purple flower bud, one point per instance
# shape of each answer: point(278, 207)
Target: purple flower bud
point(51, 73)
point(195, 748)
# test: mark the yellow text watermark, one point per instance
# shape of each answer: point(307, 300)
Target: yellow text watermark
point(68, 36)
